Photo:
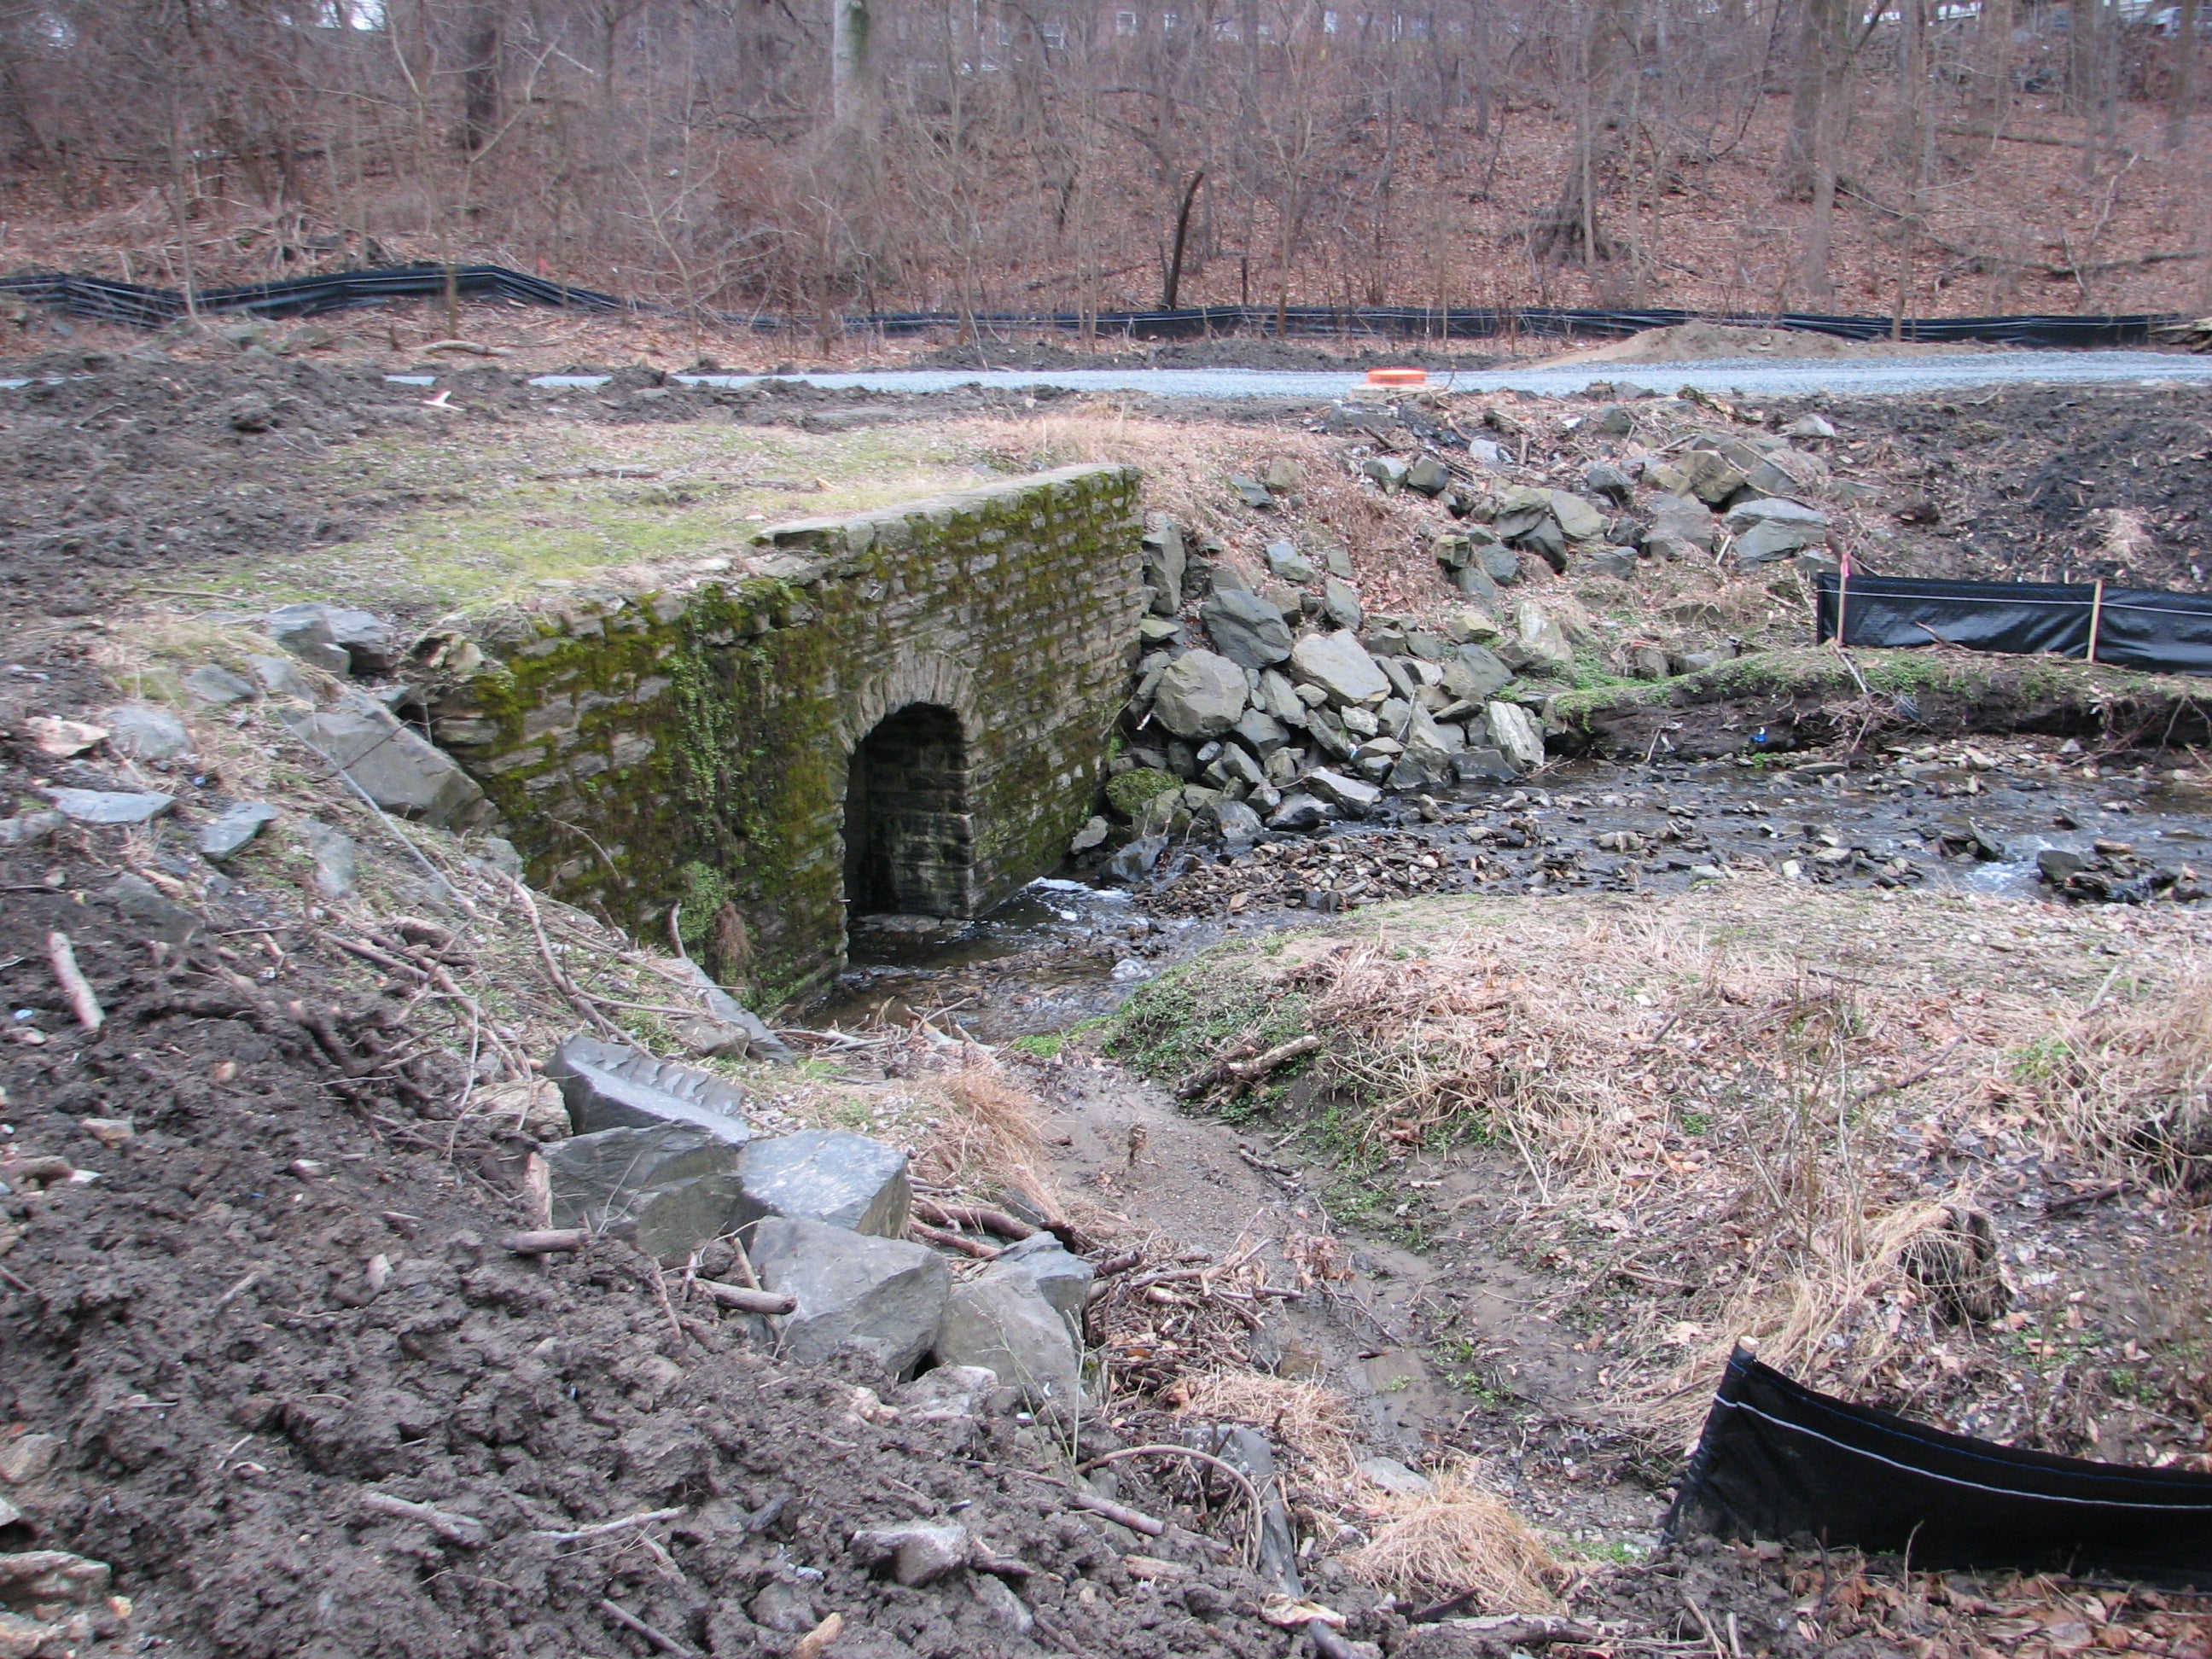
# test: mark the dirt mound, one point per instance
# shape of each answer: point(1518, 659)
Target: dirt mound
point(1229, 351)
point(250, 1276)
point(1689, 343)
point(2046, 482)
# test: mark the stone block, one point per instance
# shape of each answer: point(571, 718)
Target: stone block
point(396, 769)
point(1340, 666)
point(881, 1298)
point(1248, 628)
point(230, 830)
point(1349, 795)
point(609, 1086)
point(142, 731)
point(669, 1188)
point(829, 1176)
point(1201, 695)
point(1005, 1324)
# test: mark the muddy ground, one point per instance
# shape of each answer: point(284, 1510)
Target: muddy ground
point(199, 1326)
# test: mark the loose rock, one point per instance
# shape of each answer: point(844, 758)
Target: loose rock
point(881, 1298)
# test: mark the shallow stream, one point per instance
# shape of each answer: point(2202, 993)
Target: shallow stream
point(1972, 818)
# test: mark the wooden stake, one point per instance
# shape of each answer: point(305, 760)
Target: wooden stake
point(2096, 617)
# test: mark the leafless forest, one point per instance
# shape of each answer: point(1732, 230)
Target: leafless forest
point(816, 157)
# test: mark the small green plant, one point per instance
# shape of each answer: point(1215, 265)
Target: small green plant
point(2039, 1061)
point(1044, 1045)
point(1696, 1123)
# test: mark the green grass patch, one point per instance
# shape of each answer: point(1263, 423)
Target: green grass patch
point(1182, 1020)
point(472, 525)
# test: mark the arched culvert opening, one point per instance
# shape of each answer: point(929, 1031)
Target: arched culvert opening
point(909, 839)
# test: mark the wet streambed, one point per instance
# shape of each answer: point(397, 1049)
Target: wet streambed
point(1999, 819)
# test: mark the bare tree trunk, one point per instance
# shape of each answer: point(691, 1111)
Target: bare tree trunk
point(2183, 91)
point(480, 76)
point(1174, 288)
point(848, 60)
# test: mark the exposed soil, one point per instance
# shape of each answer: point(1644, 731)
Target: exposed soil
point(2046, 483)
point(1689, 343)
point(281, 1289)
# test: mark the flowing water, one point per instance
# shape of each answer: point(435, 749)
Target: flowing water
point(1065, 950)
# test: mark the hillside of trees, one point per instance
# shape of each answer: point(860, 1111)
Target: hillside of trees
point(1912, 157)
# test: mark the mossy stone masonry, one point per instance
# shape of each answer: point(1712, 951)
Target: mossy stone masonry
point(693, 746)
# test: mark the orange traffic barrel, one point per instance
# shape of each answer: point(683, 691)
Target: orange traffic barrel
point(1397, 377)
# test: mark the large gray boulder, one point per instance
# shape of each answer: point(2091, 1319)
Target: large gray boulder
point(396, 769)
point(725, 1028)
point(1346, 794)
point(609, 1086)
point(145, 732)
point(1788, 472)
point(1773, 541)
point(303, 630)
point(1581, 521)
point(669, 1188)
point(1474, 673)
point(230, 830)
point(1778, 510)
point(1678, 518)
point(1163, 567)
point(1511, 731)
point(108, 805)
point(1260, 732)
point(839, 1180)
point(1539, 644)
point(1247, 629)
point(1004, 1323)
point(1285, 561)
point(1057, 1274)
point(334, 637)
point(1340, 602)
point(1200, 695)
point(211, 683)
point(1340, 666)
point(881, 1298)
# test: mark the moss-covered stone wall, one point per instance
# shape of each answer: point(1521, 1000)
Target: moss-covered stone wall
point(691, 745)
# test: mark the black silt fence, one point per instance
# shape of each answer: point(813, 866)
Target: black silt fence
point(1778, 1461)
point(97, 298)
point(2128, 628)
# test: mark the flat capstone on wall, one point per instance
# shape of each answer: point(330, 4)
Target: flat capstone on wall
point(692, 746)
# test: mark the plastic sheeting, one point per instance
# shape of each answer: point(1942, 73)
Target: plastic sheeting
point(97, 299)
point(2130, 628)
point(1777, 1460)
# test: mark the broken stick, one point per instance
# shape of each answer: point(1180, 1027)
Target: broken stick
point(1242, 1074)
point(462, 1529)
point(77, 988)
point(745, 1300)
point(546, 1241)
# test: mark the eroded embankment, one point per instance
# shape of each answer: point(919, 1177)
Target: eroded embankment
point(1811, 697)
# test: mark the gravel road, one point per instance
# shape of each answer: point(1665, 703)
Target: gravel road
point(1751, 376)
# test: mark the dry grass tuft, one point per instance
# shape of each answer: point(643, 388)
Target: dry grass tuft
point(1313, 1421)
point(988, 1137)
point(1461, 1537)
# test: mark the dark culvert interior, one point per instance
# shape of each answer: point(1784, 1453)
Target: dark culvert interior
point(909, 839)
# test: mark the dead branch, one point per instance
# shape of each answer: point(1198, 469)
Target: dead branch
point(974, 1247)
point(745, 1300)
point(975, 1216)
point(546, 1241)
point(462, 1529)
point(603, 1528)
point(1240, 1074)
point(77, 988)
